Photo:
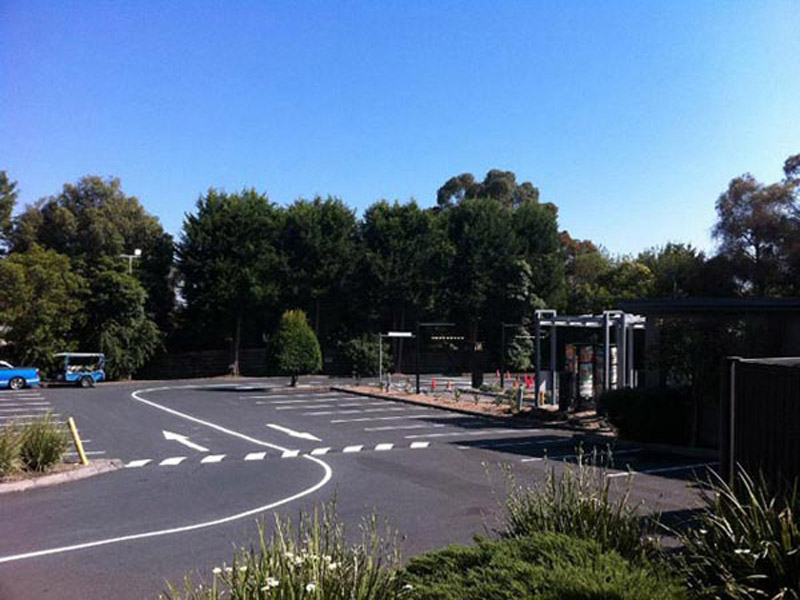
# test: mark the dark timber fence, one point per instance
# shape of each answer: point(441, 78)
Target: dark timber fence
point(760, 427)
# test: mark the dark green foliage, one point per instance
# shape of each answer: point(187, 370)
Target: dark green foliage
point(229, 260)
point(361, 355)
point(578, 502)
point(40, 304)
point(8, 198)
point(649, 414)
point(745, 544)
point(296, 348)
point(117, 324)
point(44, 442)
point(542, 566)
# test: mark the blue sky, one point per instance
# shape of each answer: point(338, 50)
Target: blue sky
point(630, 116)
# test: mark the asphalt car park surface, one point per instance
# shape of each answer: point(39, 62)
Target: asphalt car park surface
point(237, 452)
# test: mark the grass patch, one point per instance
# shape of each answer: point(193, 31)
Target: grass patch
point(10, 444)
point(311, 561)
point(43, 445)
point(577, 501)
point(745, 544)
point(542, 566)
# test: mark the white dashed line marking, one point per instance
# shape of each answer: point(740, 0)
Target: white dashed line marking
point(290, 454)
point(352, 449)
point(213, 458)
point(171, 462)
point(419, 445)
point(137, 463)
point(383, 447)
point(255, 456)
point(320, 451)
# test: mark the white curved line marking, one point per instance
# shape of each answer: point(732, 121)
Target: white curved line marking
point(149, 534)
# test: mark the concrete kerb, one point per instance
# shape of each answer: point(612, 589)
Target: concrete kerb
point(95, 468)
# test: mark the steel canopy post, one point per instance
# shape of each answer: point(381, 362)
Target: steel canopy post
point(503, 355)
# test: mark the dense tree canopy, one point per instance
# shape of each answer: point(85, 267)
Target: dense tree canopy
point(488, 253)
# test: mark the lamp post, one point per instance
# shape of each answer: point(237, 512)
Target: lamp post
point(136, 254)
point(390, 334)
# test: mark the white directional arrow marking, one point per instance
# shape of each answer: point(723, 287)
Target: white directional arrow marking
point(293, 433)
point(182, 439)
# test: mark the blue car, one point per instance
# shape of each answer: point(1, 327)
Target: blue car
point(17, 378)
point(83, 369)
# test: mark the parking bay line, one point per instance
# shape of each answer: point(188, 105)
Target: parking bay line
point(464, 433)
point(585, 454)
point(400, 427)
point(355, 411)
point(330, 406)
point(430, 415)
point(663, 470)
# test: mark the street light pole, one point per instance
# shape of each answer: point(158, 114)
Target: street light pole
point(136, 254)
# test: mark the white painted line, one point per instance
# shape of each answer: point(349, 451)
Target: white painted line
point(137, 463)
point(322, 413)
point(23, 409)
point(303, 435)
point(416, 445)
point(664, 469)
point(383, 447)
point(585, 455)
point(306, 407)
point(86, 452)
point(256, 456)
point(424, 416)
point(290, 454)
point(463, 433)
point(320, 451)
point(22, 404)
point(212, 458)
point(399, 408)
point(171, 462)
point(350, 449)
point(328, 474)
point(399, 427)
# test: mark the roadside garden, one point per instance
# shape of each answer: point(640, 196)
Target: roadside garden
point(568, 536)
point(33, 448)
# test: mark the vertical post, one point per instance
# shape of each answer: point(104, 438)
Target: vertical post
point(503, 355)
point(732, 430)
point(416, 355)
point(553, 364)
point(606, 352)
point(621, 352)
point(77, 440)
point(538, 334)
point(380, 361)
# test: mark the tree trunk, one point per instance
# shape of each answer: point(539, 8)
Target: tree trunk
point(237, 340)
point(316, 317)
point(294, 380)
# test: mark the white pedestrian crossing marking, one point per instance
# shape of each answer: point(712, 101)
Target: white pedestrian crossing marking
point(213, 458)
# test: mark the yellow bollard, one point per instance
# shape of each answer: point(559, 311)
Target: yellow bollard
point(77, 439)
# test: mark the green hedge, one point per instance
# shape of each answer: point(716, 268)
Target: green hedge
point(649, 414)
point(543, 566)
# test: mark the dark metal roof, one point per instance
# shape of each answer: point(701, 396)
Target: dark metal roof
point(710, 305)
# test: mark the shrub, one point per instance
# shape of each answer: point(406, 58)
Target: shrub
point(542, 566)
point(10, 443)
point(649, 414)
point(313, 562)
point(43, 444)
point(577, 502)
point(361, 355)
point(746, 543)
point(296, 347)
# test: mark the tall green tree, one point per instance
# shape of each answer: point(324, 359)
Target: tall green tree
point(319, 241)
point(93, 219)
point(230, 265)
point(405, 259)
point(117, 324)
point(40, 304)
point(754, 220)
point(297, 350)
point(498, 185)
point(8, 199)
